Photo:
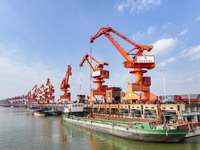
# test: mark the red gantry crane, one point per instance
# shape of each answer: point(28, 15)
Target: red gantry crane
point(64, 86)
point(98, 74)
point(139, 63)
point(49, 92)
point(39, 94)
point(29, 97)
point(32, 97)
point(44, 92)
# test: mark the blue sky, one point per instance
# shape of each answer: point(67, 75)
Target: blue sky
point(39, 38)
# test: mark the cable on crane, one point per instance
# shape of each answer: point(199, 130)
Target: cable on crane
point(90, 70)
point(80, 80)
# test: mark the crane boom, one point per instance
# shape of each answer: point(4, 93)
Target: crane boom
point(85, 58)
point(37, 89)
point(49, 84)
point(64, 84)
point(130, 62)
point(100, 64)
point(69, 72)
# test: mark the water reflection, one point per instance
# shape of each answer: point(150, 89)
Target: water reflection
point(100, 141)
point(20, 129)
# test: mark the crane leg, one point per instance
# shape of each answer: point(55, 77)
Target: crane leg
point(92, 97)
point(130, 96)
point(148, 95)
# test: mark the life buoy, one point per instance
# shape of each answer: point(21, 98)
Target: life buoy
point(166, 128)
point(142, 127)
point(151, 126)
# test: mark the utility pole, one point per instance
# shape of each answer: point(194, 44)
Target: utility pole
point(189, 98)
point(164, 88)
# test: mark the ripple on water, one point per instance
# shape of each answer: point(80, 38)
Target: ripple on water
point(20, 130)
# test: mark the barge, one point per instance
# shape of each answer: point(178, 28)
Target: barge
point(136, 130)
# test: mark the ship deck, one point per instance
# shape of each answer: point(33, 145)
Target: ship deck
point(131, 119)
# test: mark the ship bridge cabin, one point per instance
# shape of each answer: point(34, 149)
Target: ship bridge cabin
point(74, 107)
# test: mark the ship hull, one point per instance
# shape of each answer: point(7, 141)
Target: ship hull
point(40, 114)
point(133, 134)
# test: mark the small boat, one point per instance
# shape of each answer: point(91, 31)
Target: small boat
point(194, 132)
point(41, 112)
point(6, 105)
point(54, 112)
point(32, 108)
point(136, 130)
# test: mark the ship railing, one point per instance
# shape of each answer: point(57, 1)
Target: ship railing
point(149, 116)
point(153, 113)
point(109, 122)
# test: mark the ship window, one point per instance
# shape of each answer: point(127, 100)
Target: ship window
point(146, 107)
point(152, 107)
point(163, 107)
point(137, 107)
point(171, 107)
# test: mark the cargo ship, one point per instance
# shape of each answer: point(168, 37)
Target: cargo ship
point(136, 130)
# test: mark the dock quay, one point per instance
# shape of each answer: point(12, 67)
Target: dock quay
point(57, 106)
point(187, 112)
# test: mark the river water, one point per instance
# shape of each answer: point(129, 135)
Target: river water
point(20, 130)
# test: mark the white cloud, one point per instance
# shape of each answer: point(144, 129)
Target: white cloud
point(197, 19)
point(19, 77)
point(165, 26)
point(138, 35)
point(167, 61)
point(189, 86)
point(193, 52)
point(150, 30)
point(164, 46)
point(121, 7)
point(174, 82)
point(183, 32)
point(137, 5)
point(19, 70)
